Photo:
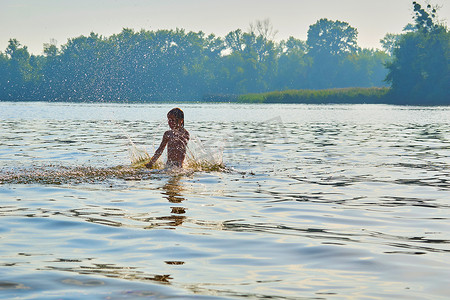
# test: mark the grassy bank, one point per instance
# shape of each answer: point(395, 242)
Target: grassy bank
point(345, 95)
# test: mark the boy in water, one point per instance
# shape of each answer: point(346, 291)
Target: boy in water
point(176, 140)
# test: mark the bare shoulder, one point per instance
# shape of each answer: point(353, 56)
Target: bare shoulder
point(186, 134)
point(167, 135)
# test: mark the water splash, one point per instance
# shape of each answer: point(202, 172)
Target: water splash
point(198, 156)
point(57, 174)
point(204, 158)
point(138, 155)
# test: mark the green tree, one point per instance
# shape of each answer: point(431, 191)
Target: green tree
point(329, 42)
point(420, 70)
point(425, 18)
point(332, 38)
point(21, 72)
point(363, 69)
point(79, 71)
point(390, 42)
point(293, 65)
point(5, 88)
point(251, 58)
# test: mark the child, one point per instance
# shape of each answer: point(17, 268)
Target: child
point(176, 140)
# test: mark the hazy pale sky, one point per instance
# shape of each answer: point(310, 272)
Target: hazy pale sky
point(35, 22)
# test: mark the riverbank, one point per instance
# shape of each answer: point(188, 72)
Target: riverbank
point(344, 95)
point(357, 95)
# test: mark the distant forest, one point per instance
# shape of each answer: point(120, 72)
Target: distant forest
point(175, 65)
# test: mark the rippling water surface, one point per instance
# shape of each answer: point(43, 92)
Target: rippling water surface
point(323, 202)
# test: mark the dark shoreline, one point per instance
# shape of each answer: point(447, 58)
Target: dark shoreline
point(371, 95)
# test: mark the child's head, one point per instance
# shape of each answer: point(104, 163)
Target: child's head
point(176, 118)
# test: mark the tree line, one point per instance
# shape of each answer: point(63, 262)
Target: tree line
point(180, 65)
point(420, 70)
point(174, 65)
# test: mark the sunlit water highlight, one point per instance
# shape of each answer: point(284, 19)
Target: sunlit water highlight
point(324, 202)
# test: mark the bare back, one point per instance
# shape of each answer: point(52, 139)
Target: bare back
point(176, 146)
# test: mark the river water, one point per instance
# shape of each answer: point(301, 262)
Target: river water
point(316, 201)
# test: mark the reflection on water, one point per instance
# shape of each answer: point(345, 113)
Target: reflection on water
point(108, 270)
point(316, 202)
point(173, 190)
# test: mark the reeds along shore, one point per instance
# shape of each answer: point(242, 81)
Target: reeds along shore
point(373, 95)
point(355, 95)
point(344, 95)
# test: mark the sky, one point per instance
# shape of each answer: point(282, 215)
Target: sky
point(35, 22)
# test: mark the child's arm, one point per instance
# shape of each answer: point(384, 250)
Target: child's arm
point(159, 151)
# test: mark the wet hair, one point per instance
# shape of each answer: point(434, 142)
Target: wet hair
point(177, 113)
